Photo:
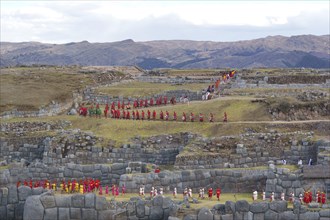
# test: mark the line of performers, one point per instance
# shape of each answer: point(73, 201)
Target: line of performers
point(82, 186)
point(306, 198)
point(187, 192)
point(148, 115)
point(84, 110)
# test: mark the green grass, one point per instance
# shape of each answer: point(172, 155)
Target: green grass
point(141, 89)
point(202, 202)
point(121, 131)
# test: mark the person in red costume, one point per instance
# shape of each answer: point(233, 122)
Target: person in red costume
point(210, 192)
point(218, 192)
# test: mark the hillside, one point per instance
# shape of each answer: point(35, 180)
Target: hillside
point(273, 51)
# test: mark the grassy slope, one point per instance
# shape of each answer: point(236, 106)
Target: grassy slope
point(123, 130)
point(141, 89)
point(30, 88)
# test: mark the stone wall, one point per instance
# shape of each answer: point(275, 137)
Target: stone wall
point(228, 180)
point(215, 155)
point(323, 155)
point(85, 148)
point(92, 97)
point(282, 180)
point(16, 149)
point(107, 173)
point(91, 206)
point(23, 127)
point(241, 210)
point(12, 200)
point(77, 206)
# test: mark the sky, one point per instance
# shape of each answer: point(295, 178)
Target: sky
point(109, 21)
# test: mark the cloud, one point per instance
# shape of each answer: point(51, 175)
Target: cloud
point(106, 21)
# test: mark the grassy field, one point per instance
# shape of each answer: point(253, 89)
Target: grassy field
point(188, 72)
point(141, 89)
point(269, 91)
point(242, 114)
point(27, 89)
point(202, 202)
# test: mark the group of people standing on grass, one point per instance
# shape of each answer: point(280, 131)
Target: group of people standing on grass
point(119, 113)
point(82, 186)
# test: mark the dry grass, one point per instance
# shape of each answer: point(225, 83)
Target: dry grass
point(27, 89)
point(141, 89)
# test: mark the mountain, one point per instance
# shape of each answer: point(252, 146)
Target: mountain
point(273, 51)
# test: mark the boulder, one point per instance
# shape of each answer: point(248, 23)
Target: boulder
point(156, 212)
point(47, 201)
point(230, 207)
point(63, 201)
point(309, 216)
point(78, 201)
point(167, 202)
point(90, 200)
point(205, 214)
point(24, 192)
point(101, 203)
point(12, 194)
point(88, 214)
point(3, 210)
point(19, 210)
point(75, 213)
point(259, 207)
point(258, 216)
point(219, 209)
point(72, 112)
point(106, 214)
point(287, 215)
point(325, 213)
point(190, 217)
point(158, 201)
point(271, 215)
point(33, 208)
point(278, 206)
point(37, 191)
point(242, 206)
point(50, 214)
point(140, 208)
point(64, 213)
point(227, 217)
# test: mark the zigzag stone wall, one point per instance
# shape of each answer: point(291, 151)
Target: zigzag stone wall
point(107, 173)
point(228, 180)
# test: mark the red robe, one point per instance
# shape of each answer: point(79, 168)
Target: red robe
point(218, 193)
point(210, 192)
point(154, 115)
point(323, 198)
